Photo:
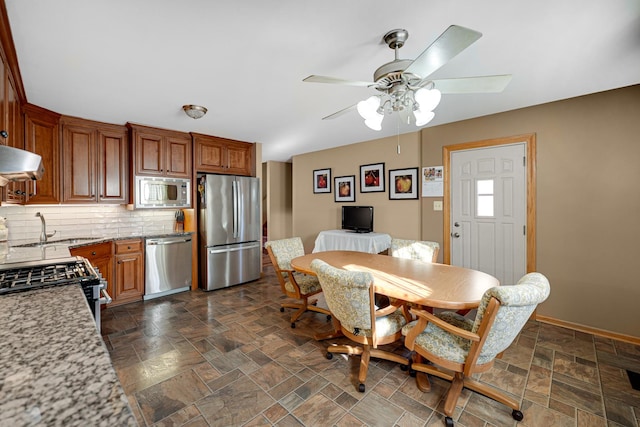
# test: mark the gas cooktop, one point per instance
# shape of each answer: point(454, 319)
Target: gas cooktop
point(26, 276)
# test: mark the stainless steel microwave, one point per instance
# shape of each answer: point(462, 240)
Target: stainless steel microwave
point(157, 192)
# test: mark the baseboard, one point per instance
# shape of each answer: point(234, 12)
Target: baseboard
point(588, 329)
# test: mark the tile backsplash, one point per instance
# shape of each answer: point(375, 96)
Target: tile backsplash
point(84, 221)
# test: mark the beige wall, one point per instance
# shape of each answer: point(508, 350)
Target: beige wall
point(313, 213)
point(278, 200)
point(588, 199)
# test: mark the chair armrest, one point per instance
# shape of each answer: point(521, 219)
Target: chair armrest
point(391, 308)
point(428, 317)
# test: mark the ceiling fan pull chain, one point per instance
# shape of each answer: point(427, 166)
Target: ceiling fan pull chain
point(398, 124)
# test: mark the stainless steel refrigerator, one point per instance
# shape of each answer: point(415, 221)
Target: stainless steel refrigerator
point(229, 230)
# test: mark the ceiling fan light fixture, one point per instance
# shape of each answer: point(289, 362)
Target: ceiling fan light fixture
point(368, 109)
point(423, 117)
point(374, 123)
point(427, 99)
point(194, 111)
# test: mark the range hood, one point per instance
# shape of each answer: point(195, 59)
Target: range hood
point(19, 165)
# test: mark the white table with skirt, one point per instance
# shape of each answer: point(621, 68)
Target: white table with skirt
point(345, 240)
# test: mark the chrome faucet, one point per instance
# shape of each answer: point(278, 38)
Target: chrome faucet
point(43, 234)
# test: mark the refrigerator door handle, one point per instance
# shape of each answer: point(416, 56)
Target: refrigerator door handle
point(238, 248)
point(234, 186)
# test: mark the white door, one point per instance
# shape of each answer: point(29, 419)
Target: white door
point(488, 210)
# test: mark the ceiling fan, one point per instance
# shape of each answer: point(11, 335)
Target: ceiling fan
point(404, 84)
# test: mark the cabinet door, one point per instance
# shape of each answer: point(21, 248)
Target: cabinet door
point(178, 157)
point(239, 158)
point(209, 155)
point(100, 256)
point(42, 137)
point(148, 152)
point(113, 176)
point(129, 284)
point(79, 164)
point(14, 191)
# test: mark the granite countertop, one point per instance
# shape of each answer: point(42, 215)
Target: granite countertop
point(54, 367)
point(10, 253)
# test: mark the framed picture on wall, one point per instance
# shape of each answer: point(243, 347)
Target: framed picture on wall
point(372, 178)
point(403, 184)
point(345, 188)
point(322, 180)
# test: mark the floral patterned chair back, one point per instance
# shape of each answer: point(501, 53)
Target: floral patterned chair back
point(415, 249)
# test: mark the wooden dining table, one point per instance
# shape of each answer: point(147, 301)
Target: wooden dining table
point(429, 285)
point(426, 284)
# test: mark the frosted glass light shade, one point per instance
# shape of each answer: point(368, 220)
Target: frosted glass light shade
point(194, 111)
point(368, 109)
point(422, 117)
point(427, 99)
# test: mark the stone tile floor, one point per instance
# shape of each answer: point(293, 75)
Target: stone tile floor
point(230, 358)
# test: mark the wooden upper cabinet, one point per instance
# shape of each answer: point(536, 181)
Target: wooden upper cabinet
point(11, 121)
point(113, 161)
point(160, 152)
point(94, 162)
point(42, 130)
point(220, 155)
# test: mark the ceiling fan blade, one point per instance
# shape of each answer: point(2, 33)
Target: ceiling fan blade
point(340, 113)
point(334, 80)
point(480, 84)
point(454, 40)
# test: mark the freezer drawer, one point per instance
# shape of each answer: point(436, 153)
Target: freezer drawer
point(230, 265)
point(167, 266)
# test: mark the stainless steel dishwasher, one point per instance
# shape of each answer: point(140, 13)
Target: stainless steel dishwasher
point(167, 265)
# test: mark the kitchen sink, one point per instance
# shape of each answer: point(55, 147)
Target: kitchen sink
point(71, 241)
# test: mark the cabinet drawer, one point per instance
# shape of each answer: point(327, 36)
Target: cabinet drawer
point(128, 246)
point(92, 252)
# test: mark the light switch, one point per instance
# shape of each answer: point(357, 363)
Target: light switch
point(437, 205)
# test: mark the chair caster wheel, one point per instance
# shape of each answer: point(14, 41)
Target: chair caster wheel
point(412, 373)
point(361, 388)
point(281, 309)
point(293, 325)
point(328, 317)
point(448, 421)
point(517, 415)
point(329, 356)
point(404, 367)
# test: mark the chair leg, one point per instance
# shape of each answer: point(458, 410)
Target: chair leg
point(364, 367)
point(491, 393)
point(453, 394)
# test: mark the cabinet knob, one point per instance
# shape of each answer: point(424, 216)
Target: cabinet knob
point(4, 134)
point(128, 247)
point(93, 253)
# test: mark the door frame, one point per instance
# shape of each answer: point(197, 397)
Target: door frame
point(530, 141)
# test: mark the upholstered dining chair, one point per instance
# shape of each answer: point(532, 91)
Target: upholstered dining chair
point(422, 250)
point(458, 346)
point(350, 297)
point(295, 285)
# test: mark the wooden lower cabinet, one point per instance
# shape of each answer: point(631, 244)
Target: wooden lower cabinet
point(121, 263)
point(129, 271)
point(100, 256)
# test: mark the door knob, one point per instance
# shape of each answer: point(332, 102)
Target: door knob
point(456, 235)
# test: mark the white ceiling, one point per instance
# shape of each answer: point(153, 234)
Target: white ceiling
point(140, 60)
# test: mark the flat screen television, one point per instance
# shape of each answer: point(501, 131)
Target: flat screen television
point(357, 218)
